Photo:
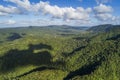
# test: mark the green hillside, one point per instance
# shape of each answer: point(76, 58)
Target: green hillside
point(60, 53)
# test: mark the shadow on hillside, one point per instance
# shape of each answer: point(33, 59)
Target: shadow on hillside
point(87, 69)
point(1, 41)
point(17, 58)
point(14, 36)
point(34, 70)
point(73, 52)
point(114, 37)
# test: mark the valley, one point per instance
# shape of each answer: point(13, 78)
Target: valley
point(60, 53)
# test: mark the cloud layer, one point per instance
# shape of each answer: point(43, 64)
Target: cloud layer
point(103, 12)
point(82, 15)
point(8, 10)
point(54, 11)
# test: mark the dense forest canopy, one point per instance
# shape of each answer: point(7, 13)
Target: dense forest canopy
point(70, 53)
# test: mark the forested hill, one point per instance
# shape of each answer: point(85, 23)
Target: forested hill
point(104, 28)
point(60, 53)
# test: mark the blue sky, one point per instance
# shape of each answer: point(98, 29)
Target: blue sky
point(17, 13)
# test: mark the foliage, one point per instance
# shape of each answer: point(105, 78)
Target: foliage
point(42, 53)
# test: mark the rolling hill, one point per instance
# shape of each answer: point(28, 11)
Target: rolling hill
point(60, 53)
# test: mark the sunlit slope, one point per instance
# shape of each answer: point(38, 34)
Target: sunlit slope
point(86, 55)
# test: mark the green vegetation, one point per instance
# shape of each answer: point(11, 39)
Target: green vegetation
point(60, 53)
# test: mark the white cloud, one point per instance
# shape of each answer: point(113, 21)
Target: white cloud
point(103, 12)
point(102, 1)
point(8, 22)
point(11, 22)
point(8, 10)
point(55, 11)
point(103, 9)
point(104, 16)
point(64, 13)
point(67, 14)
point(21, 3)
point(3, 14)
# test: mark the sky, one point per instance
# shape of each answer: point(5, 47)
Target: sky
point(21, 13)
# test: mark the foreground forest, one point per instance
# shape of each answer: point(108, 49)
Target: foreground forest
point(60, 53)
